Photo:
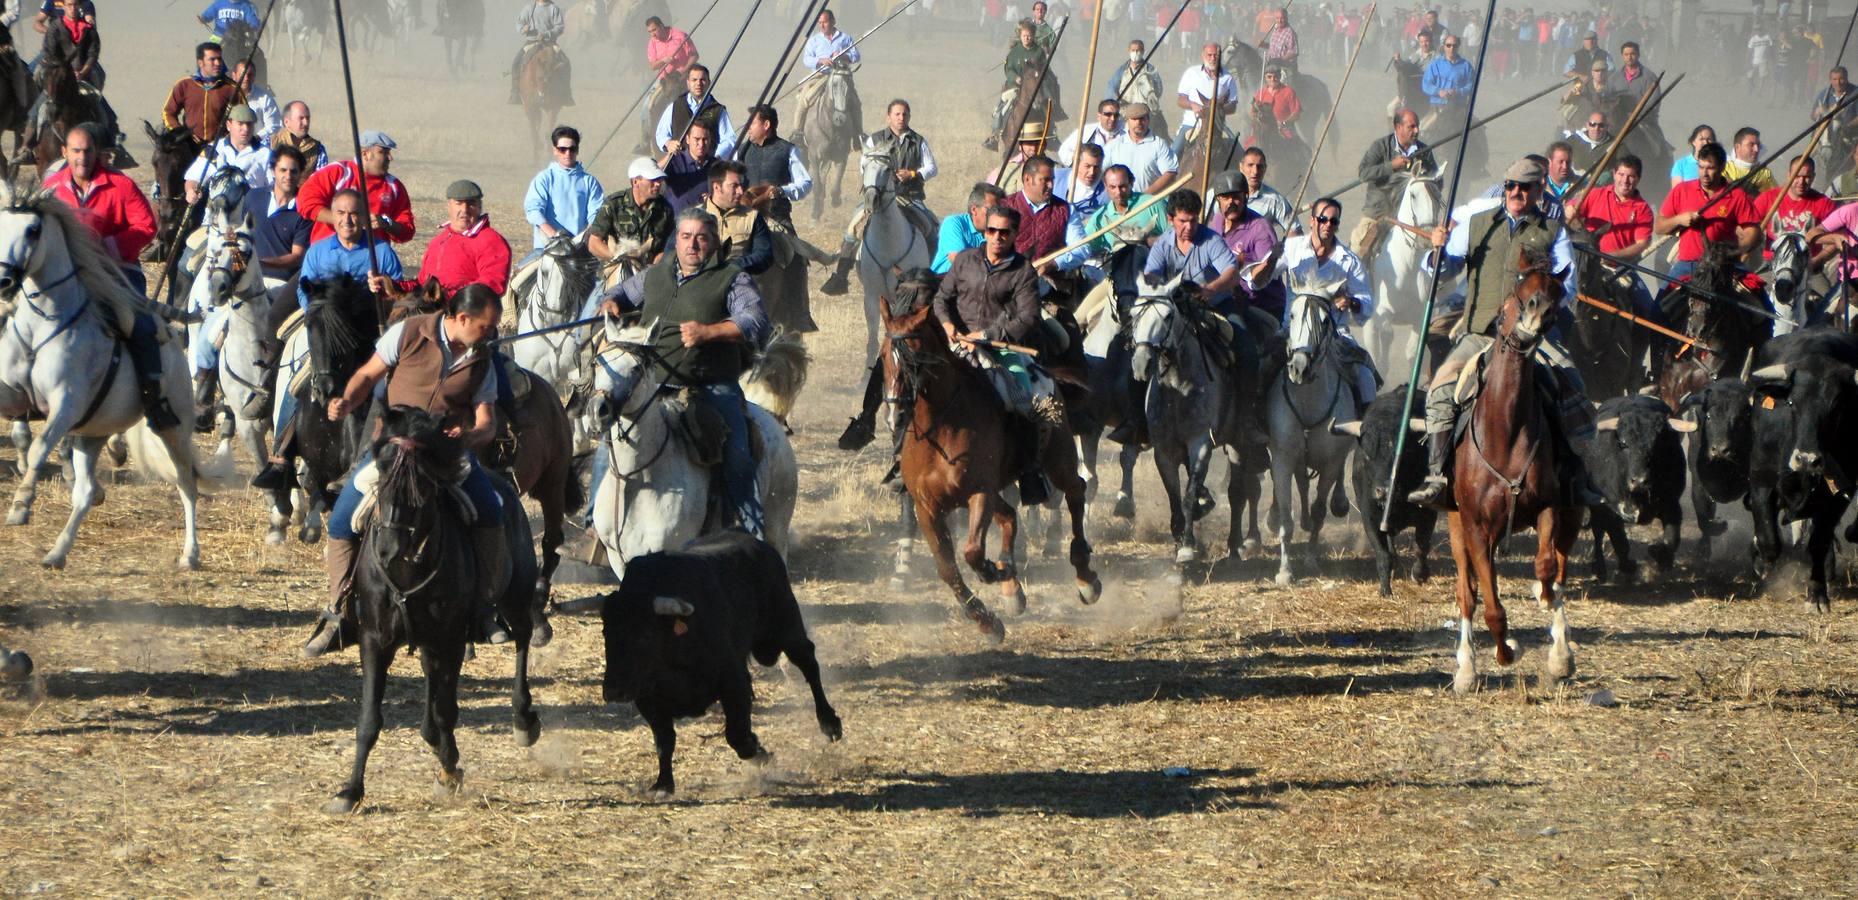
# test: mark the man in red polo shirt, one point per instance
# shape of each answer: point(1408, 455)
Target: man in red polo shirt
point(1627, 218)
point(1801, 209)
point(1730, 220)
point(466, 250)
point(1042, 216)
point(391, 208)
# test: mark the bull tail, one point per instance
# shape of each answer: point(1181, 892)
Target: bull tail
point(775, 381)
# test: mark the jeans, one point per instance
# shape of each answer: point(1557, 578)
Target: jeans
point(205, 351)
point(138, 279)
point(1180, 138)
point(740, 475)
point(476, 485)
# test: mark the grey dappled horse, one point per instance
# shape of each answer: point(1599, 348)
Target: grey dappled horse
point(1314, 390)
point(889, 245)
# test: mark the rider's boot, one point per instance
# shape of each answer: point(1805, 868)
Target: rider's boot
point(863, 427)
point(1441, 415)
point(279, 472)
point(492, 556)
point(206, 397)
point(840, 282)
point(145, 354)
point(339, 556)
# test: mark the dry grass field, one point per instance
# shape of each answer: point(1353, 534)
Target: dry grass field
point(1227, 737)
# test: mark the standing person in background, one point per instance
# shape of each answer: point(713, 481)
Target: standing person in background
point(1761, 59)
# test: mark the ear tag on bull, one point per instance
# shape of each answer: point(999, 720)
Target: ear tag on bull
point(1767, 403)
point(678, 627)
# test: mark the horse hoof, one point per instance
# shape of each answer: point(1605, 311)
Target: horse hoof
point(1124, 508)
point(1089, 592)
point(1016, 601)
point(18, 515)
point(989, 624)
point(342, 805)
point(1464, 682)
point(274, 537)
point(1507, 651)
point(308, 535)
point(1559, 667)
point(449, 783)
point(541, 632)
point(16, 666)
point(1250, 548)
point(1186, 554)
point(1283, 578)
point(527, 733)
point(189, 563)
point(660, 793)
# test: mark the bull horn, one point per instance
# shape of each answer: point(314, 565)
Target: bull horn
point(1416, 425)
point(672, 606)
point(1352, 429)
point(1776, 372)
point(1748, 363)
point(1682, 426)
point(1611, 424)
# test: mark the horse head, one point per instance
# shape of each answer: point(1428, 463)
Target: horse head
point(564, 276)
point(1420, 203)
point(229, 266)
point(226, 188)
point(1530, 310)
point(342, 318)
point(415, 459)
point(878, 178)
point(1155, 326)
point(911, 345)
point(1789, 268)
point(28, 236)
point(623, 376)
point(1310, 327)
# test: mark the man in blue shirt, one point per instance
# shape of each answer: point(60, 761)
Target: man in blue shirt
point(1082, 184)
point(346, 251)
point(824, 49)
point(1447, 84)
point(563, 198)
point(959, 233)
point(222, 13)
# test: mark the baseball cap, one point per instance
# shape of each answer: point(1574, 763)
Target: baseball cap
point(643, 167)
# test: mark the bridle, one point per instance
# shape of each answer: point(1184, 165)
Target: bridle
point(421, 530)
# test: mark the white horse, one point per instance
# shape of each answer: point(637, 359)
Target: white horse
point(555, 293)
point(889, 246)
point(1392, 336)
point(654, 496)
point(1313, 391)
point(59, 358)
point(233, 284)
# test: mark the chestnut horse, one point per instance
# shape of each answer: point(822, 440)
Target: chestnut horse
point(1504, 479)
point(956, 451)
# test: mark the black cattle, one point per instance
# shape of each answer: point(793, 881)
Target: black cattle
point(681, 628)
point(1805, 457)
point(1719, 451)
point(1374, 452)
point(1637, 461)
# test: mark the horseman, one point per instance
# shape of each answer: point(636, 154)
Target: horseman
point(1148, 156)
point(1208, 273)
point(562, 198)
point(1842, 137)
point(1108, 127)
point(670, 52)
point(695, 104)
point(220, 14)
point(240, 149)
point(745, 241)
point(1317, 258)
point(1410, 73)
point(1139, 82)
point(1798, 208)
point(1266, 200)
point(989, 297)
point(1281, 100)
point(912, 163)
point(441, 363)
point(687, 168)
point(1621, 222)
point(389, 207)
point(1029, 143)
point(1593, 94)
point(114, 209)
point(1629, 82)
point(1025, 60)
point(1588, 145)
point(1588, 53)
point(73, 42)
point(1082, 184)
point(467, 249)
point(280, 238)
point(633, 225)
point(1730, 220)
point(777, 176)
point(1280, 44)
point(1196, 93)
point(1251, 238)
point(199, 101)
point(263, 103)
point(960, 233)
point(1385, 169)
point(709, 323)
point(1558, 179)
point(1042, 219)
point(540, 25)
point(296, 135)
point(1448, 89)
point(1489, 248)
point(825, 49)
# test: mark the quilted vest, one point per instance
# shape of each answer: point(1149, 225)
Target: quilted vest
point(420, 378)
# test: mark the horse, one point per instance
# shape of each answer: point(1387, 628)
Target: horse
point(1392, 336)
point(1788, 294)
point(831, 132)
point(234, 283)
point(335, 338)
point(239, 43)
point(175, 149)
point(1504, 478)
point(1607, 348)
point(1287, 153)
point(413, 588)
point(1109, 380)
point(656, 495)
point(306, 25)
point(64, 105)
point(543, 470)
point(1726, 332)
point(954, 453)
point(61, 357)
point(461, 24)
point(564, 276)
point(1192, 406)
point(1313, 390)
point(539, 85)
point(15, 115)
point(888, 245)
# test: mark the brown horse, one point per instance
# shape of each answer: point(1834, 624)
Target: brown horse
point(540, 92)
point(953, 455)
point(65, 106)
point(1504, 479)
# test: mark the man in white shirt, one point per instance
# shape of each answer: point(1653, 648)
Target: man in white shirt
point(1319, 258)
point(1149, 158)
point(1108, 127)
point(270, 119)
point(239, 149)
point(1195, 94)
point(1265, 199)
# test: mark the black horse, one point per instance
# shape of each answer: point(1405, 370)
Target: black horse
point(1607, 348)
point(413, 584)
point(343, 319)
point(175, 150)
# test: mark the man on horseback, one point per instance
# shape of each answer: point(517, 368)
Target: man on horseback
point(1448, 88)
point(114, 209)
point(745, 240)
point(709, 323)
point(990, 297)
point(1489, 248)
point(687, 169)
point(1107, 128)
point(240, 149)
point(670, 52)
point(72, 43)
point(220, 14)
point(1318, 258)
point(1252, 240)
point(1025, 60)
point(826, 48)
point(540, 25)
point(1280, 101)
point(1266, 200)
point(912, 163)
point(467, 250)
point(1042, 216)
point(296, 135)
point(199, 101)
point(389, 206)
point(439, 362)
point(1280, 44)
point(1384, 169)
point(1730, 219)
point(635, 224)
point(1196, 94)
point(1139, 82)
point(1149, 157)
point(960, 233)
point(563, 197)
point(1621, 221)
point(777, 176)
point(695, 103)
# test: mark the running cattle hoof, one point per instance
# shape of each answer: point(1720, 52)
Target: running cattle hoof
point(342, 805)
point(17, 665)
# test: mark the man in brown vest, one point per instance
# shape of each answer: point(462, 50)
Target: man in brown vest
point(439, 362)
point(1488, 247)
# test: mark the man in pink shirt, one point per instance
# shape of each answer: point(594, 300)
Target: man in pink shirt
point(670, 53)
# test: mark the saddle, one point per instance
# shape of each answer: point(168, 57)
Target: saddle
point(705, 431)
point(368, 482)
point(1471, 383)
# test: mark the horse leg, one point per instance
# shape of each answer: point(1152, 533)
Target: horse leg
point(871, 315)
point(314, 508)
point(974, 552)
point(554, 511)
point(934, 526)
point(441, 668)
point(1465, 680)
point(1125, 495)
point(1012, 593)
point(253, 430)
point(181, 456)
point(1235, 504)
point(1089, 584)
point(84, 495)
point(34, 459)
point(1548, 590)
point(1282, 484)
point(1496, 620)
point(1818, 547)
point(906, 541)
point(375, 659)
point(1169, 470)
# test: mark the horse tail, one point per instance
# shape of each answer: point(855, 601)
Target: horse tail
point(149, 459)
point(775, 381)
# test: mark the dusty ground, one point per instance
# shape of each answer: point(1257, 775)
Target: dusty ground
point(174, 744)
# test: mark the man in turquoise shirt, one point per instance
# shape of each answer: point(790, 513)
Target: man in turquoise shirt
point(960, 233)
point(563, 198)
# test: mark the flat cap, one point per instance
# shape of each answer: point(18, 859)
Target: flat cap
point(373, 138)
point(1599, 65)
point(1592, 36)
point(1135, 110)
point(241, 113)
point(644, 167)
point(1524, 171)
point(464, 189)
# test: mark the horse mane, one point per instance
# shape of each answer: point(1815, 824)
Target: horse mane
point(96, 271)
point(779, 373)
point(915, 289)
point(333, 303)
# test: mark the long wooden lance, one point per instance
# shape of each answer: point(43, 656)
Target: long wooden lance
point(1010, 139)
point(807, 15)
point(649, 84)
point(1335, 103)
point(1090, 72)
point(717, 75)
point(1432, 288)
point(1642, 322)
point(784, 94)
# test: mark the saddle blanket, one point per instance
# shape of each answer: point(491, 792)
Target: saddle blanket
point(368, 482)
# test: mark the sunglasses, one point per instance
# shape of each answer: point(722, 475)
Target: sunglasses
point(992, 230)
point(1451, 43)
point(1324, 220)
point(568, 148)
point(1107, 113)
point(1596, 124)
point(1514, 186)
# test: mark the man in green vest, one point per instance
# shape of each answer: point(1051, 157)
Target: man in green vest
point(1488, 247)
point(709, 323)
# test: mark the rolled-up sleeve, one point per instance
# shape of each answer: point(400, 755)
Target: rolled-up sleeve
point(928, 169)
point(747, 312)
point(802, 183)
